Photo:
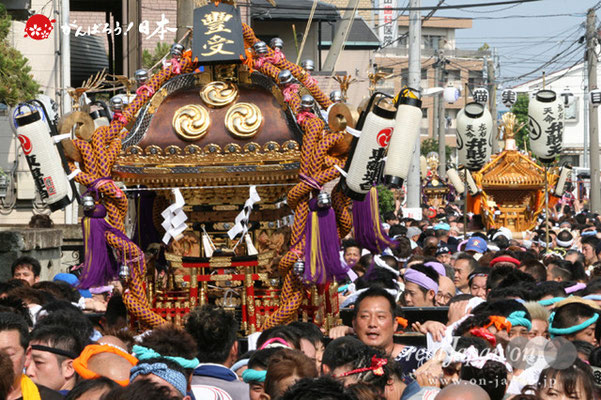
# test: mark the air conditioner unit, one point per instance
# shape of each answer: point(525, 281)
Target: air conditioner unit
point(18, 9)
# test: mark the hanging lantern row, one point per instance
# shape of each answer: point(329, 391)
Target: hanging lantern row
point(567, 97)
point(480, 95)
point(509, 97)
point(545, 120)
point(402, 143)
point(474, 139)
point(596, 97)
point(451, 94)
point(365, 163)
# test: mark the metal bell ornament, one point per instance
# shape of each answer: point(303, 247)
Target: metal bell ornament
point(299, 267)
point(276, 43)
point(124, 272)
point(177, 50)
point(336, 96)
point(141, 76)
point(88, 203)
point(117, 103)
point(307, 103)
point(324, 200)
point(308, 65)
point(285, 77)
point(261, 48)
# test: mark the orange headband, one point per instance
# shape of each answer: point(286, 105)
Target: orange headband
point(80, 364)
point(500, 323)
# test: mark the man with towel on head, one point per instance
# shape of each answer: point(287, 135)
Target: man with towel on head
point(421, 285)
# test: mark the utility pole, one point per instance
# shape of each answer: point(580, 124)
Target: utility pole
point(591, 42)
point(492, 90)
point(185, 17)
point(415, 66)
point(442, 121)
point(340, 36)
point(436, 102)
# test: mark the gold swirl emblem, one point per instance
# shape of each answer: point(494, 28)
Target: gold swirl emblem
point(218, 94)
point(191, 122)
point(243, 120)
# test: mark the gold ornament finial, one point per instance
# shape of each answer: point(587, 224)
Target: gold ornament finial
point(344, 81)
point(510, 128)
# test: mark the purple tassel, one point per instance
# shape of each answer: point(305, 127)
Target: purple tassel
point(322, 257)
point(367, 224)
point(145, 232)
point(99, 266)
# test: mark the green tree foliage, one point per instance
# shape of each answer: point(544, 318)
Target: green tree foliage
point(520, 109)
point(431, 145)
point(149, 59)
point(16, 82)
point(385, 200)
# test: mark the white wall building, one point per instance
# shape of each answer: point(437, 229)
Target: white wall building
point(576, 134)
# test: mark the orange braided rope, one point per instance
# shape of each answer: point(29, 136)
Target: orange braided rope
point(99, 156)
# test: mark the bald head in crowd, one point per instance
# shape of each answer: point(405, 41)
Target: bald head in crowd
point(463, 391)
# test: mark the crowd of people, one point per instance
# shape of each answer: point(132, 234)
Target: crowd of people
point(438, 315)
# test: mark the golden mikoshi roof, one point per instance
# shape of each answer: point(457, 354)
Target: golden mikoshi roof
point(510, 169)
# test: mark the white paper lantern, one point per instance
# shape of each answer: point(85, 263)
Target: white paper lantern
point(545, 119)
point(474, 140)
point(423, 166)
point(451, 94)
point(533, 93)
point(567, 97)
point(564, 175)
point(455, 180)
point(44, 160)
point(509, 97)
point(480, 95)
point(365, 167)
point(402, 144)
point(472, 188)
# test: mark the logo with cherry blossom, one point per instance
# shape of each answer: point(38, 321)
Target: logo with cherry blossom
point(39, 27)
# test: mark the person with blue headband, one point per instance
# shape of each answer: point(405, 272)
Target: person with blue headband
point(521, 324)
point(574, 321)
point(164, 372)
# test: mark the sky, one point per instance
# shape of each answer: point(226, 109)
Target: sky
point(525, 36)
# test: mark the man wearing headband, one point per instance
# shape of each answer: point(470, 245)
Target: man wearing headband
point(108, 360)
point(565, 239)
point(14, 340)
point(574, 321)
point(477, 282)
point(443, 254)
point(215, 331)
point(163, 372)
point(50, 356)
point(169, 342)
point(421, 286)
